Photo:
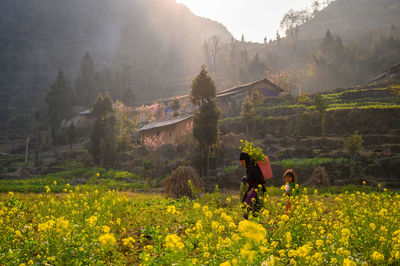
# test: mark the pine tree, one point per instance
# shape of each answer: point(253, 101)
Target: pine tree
point(256, 68)
point(203, 88)
point(85, 87)
point(103, 135)
point(128, 97)
point(60, 100)
point(205, 119)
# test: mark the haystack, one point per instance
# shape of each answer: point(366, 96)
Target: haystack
point(318, 178)
point(176, 185)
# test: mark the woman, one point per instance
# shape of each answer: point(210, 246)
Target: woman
point(252, 181)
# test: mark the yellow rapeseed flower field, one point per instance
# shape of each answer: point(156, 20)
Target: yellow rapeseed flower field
point(91, 226)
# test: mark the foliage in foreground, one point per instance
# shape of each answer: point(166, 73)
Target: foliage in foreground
point(95, 227)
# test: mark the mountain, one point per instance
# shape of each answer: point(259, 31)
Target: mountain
point(161, 41)
point(352, 18)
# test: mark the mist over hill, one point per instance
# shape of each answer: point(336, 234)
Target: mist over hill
point(155, 47)
point(159, 40)
point(352, 18)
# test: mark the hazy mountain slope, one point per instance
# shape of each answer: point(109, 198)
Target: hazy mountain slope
point(351, 18)
point(158, 38)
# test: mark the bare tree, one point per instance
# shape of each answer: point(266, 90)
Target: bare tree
point(214, 47)
point(291, 22)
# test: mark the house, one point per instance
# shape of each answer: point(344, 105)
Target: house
point(82, 120)
point(173, 129)
point(167, 131)
point(387, 74)
point(230, 100)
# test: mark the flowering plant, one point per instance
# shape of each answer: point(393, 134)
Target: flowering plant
point(255, 153)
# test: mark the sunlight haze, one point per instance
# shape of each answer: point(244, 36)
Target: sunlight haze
point(255, 18)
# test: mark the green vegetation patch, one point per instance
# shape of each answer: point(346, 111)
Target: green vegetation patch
point(310, 162)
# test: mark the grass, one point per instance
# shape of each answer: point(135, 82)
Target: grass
point(115, 179)
point(229, 169)
point(309, 162)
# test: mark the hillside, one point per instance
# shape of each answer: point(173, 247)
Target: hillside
point(351, 19)
point(364, 40)
point(159, 39)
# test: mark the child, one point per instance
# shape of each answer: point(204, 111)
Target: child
point(290, 185)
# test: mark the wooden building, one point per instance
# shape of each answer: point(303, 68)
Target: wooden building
point(230, 100)
point(167, 131)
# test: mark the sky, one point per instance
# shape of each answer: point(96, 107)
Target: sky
point(255, 19)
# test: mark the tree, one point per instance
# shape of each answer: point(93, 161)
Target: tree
point(175, 105)
point(265, 40)
point(278, 36)
point(321, 104)
point(248, 113)
point(60, 100)
point(291, 22)
point(128, 97)
point(126, 123)
point(71, 134)
point(315, 7)
point(103, 135)
point(256, 68)
point(205, 119)
point(352, 145)
point(256, 98)
point(287, 80)
point(249, 106)
point(203, 88)
point(85, 87)
point(214, 49)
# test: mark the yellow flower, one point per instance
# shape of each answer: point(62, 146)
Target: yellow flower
point(196, 206)
point(252, 230)
point(171, 209)
point(228, 200)
point(199, 225)
point(47, 189)
point(106, 229)
point(128, 241)
point(92, 220)
point(372, 226)
point(107, 239)
point(10, 194)
point(54, 182)
point(173, 241)
point(284, 218)
point(347, 262)
point(226, 263)
point(97, 175)
point(376, 256)
point(18, 233)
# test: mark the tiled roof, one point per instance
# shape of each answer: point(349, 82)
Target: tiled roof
point(166, 122)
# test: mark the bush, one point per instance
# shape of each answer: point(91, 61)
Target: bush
point(148, 165)
point(229, 169)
